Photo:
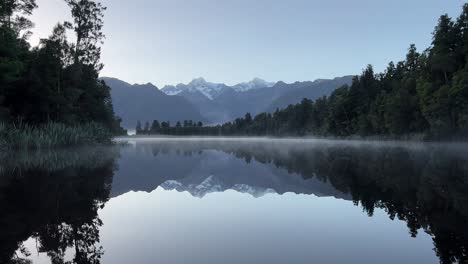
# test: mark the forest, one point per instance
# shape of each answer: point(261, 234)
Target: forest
point(424, 96)
point(55, 84)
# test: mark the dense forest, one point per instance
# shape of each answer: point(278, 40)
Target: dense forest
point(56, 81)
point(423, 96)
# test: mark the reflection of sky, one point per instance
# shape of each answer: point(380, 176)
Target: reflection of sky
point(162, 226)
point(230, 227)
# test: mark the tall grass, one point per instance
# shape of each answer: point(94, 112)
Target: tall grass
point(52, 135)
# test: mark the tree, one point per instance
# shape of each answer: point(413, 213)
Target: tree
point(56, 81)
point(248, 118)
point(138, 129)
point(459, 99)
point(14, 49)
point(442, 53)
point(147, 128)
point(13, 12)
point(412, 59)
point(462, 29)
point(155, 127)
point(88, 22)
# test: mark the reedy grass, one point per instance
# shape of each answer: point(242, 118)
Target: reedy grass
point(52, 135)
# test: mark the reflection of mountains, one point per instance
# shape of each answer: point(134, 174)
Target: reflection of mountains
point(424, 185)
point(200, 171)
point(55, 196)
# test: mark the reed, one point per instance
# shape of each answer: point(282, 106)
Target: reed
point(52, 135)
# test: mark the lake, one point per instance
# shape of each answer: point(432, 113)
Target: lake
point(236, 200)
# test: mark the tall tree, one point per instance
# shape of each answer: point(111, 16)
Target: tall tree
point(443, 51)
point(138, 128)
point(13, 12)
point(88, 22)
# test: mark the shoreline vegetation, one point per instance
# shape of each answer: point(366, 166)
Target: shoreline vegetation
point(52, 135)
point(50, 94)
point(424, 97)
point(217, 132)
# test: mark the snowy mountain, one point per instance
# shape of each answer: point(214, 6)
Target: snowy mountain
point(213, 185)
point(256, 83)
point(213, 103)
point(210, 90)
point(204, 167)
point(213, 90)
point(146, 103)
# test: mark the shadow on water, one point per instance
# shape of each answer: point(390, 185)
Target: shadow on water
point(54, 197)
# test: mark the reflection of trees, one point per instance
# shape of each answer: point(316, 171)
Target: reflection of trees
point(55, 202)
point(427, 189)
point(425, 186)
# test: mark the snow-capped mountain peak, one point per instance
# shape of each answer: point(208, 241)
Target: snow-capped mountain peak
point(199, 82)
point(211, 185)
point(255, 83)
point(212, 90)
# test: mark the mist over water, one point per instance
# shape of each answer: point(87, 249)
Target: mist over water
point(238, 200)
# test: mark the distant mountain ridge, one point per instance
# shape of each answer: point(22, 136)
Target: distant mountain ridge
point(255, 83)
point(212, 103)
point(311, 90)
point(220, 103)
point(146, 103)
point(213, 90)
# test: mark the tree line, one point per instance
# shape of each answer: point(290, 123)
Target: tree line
point(187, 127)
point(425, 95)
point(56, 81)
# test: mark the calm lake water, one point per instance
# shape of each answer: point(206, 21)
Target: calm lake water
point(173, 200)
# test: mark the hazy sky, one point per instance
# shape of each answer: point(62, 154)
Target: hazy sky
point(172, 41)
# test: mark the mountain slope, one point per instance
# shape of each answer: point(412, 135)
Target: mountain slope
point(210, 90)
point(280, 95)
point(254, 84)
point(310, 90)
point(213, 90)
point(221, 103)
point(146, 103)
point(211, 109)
point(211, 103)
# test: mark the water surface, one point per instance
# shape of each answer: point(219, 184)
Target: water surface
point(159, 200)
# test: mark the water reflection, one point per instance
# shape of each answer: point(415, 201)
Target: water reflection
point(424, 185)
point(55, 197)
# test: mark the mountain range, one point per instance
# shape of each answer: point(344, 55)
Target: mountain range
point(146, 103)
point(211, 103)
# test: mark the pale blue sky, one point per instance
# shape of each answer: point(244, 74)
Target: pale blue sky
point(172, 41)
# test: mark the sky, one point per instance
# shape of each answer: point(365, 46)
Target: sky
point(232, 41)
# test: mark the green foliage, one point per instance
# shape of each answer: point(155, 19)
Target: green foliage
point(57, 81)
